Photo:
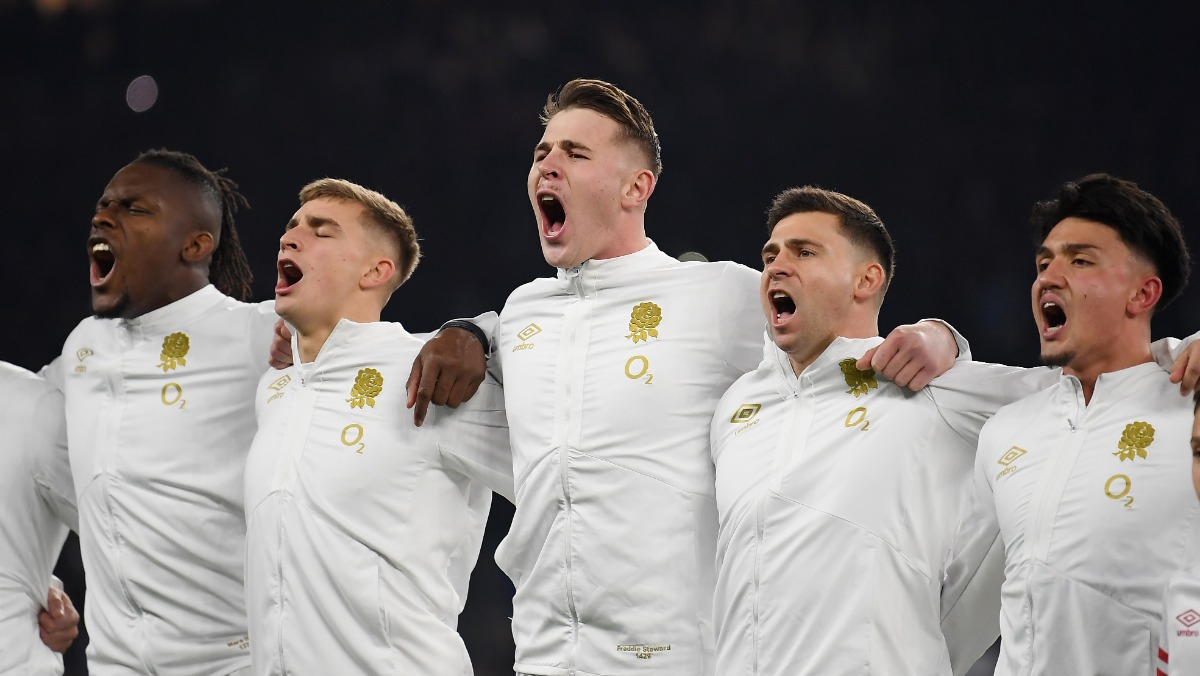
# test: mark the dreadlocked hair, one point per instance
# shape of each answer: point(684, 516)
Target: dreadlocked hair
point(229, 271)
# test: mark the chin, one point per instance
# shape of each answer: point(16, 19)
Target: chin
point(108, 307)
point(1062, 358)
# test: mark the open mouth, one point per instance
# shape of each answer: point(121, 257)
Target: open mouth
point(289, 275)
point(103, 261)
point(783, 305)
point(554, 216)
point(1053, 316)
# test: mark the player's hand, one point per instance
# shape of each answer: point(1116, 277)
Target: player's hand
point(58, 622)
point(447, 372)
point(1186, 371)
point(281, 347)
point(912, 355)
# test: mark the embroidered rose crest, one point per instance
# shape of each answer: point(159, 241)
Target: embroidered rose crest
point(174, 350)
point(1136, 438)
point(860, 382)
point(368, 384)
point(644, 321)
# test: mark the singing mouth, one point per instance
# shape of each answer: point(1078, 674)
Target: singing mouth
point(103, 261)
point(289, 275)
point(554, 216)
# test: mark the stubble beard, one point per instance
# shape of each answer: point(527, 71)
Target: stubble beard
point(1060, 359)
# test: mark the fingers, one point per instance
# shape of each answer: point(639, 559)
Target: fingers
point(58, 623)
point(864, 362)
point(464, 388)
point(54, 602)
point(426, 384)
point(280, 356)
point(1186, 370)
point(414, 379)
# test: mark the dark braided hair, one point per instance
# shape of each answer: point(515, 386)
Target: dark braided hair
point(229, 271)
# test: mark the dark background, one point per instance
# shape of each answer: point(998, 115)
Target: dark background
point(950, 120)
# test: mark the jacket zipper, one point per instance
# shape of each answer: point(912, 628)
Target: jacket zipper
point(570, 338)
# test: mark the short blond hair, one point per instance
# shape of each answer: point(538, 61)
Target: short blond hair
point(382, 214)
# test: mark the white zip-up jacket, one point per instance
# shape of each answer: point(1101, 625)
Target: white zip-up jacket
point(363, 529)
point(159, 421)
point(37, 504)
point(1179, 639)
point(838, 493)
point(611, 374)
point(1095, 508)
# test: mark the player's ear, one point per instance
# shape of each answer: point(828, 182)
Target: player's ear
point(379, 274)
point(1145, 296)
point(869, 280)
point(637, 189)
point(198, 246)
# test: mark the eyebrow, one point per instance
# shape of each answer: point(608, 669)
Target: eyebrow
point(1068, 248)
point(792, 243)
point(565, 144)
point(313, 222)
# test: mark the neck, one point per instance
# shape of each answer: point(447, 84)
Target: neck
point(802, 358)
point(629, 236)
point(1089, 373)
point(1120, 351)
point(311, 335)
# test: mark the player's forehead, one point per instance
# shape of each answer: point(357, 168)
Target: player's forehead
point(328, 211)
point(582, 126)
point(1074, 233)
point(140, 179)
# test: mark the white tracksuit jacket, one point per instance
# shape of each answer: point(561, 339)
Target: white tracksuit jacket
point(1179, 638)
point(159, 422)
point(611, 373)
point(363, 529)
point(1095, 508)
point(37, 504)
point(838, 494)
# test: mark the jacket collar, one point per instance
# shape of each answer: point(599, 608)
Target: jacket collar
point(592, 274)
point(172, 316)
point(344, 333)
point(825, 373)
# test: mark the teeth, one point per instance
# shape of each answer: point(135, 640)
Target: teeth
point(547, 198)
point(779, 294)
point(101, 246)
point(1046, 305)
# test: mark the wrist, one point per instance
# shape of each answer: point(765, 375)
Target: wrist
point(473, 330)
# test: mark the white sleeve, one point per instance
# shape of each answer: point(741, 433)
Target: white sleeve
point(53, 373)
point(971, 392)
point(1166, 350)
point(474, 442)
point(52, 469)
point(960, 341)
point(486, 322)
point(740, 318)
point(260, 332)
point(972, 576)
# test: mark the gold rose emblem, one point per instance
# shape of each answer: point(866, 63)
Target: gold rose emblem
point(174, 350)
point(860, 382)
point(367, 385)
point(1136, 438)
point(643, 322)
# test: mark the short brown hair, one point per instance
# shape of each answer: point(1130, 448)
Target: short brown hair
point(859, 223)
point(610, 101)
point(382, 214)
